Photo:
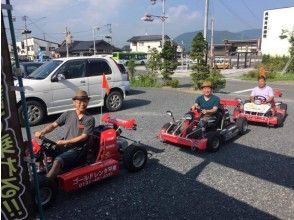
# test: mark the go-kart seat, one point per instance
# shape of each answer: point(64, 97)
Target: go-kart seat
point(214, 121)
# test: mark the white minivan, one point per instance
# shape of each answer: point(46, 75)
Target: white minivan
point(50, 88)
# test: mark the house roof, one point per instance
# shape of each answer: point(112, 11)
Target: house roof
point(44, 40)
point(147, 38)
point(78, 46)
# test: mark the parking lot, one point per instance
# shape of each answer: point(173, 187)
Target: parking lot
point(250, 177)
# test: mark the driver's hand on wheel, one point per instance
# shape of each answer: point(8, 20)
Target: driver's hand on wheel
point(38, 134)
point(61, 142)
point(203, 111)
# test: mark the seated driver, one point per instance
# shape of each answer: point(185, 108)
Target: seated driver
point(262, 90)
point(207, 103)
point(78, 126)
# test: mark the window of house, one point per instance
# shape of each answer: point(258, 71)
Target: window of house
point(266, 18)
point(73, 69)
point(97, 68)
point(133, 43)
point(141, 44)
point(265, 31)
point(42, 48)
point(22, 45)
point(264, 36)
point(265, 23)
point(264, 27)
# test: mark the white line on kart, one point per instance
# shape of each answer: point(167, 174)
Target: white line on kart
point(242, 91)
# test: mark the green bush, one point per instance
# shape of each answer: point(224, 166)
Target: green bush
point(174, 83)
point(217, 79)
point(145, 80)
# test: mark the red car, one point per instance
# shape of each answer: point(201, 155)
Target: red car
point(104, 155)
point(272, 114)
point(186, 133)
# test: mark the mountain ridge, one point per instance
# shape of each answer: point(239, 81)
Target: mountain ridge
point(219, 36)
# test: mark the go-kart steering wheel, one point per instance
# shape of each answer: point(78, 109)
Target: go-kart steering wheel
point(261, 98)
point(48, 141)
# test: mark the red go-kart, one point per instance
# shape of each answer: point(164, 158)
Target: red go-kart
point(108, 148)
point(186, 132)
point(272, 114)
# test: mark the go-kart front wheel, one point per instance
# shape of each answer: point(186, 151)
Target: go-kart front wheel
point(213, 141)
point(48, 191)
point(134, 157)
point(242, 125)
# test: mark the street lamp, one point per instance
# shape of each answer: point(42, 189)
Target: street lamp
point(150, 18)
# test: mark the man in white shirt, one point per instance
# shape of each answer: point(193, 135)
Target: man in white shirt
point(262, 90)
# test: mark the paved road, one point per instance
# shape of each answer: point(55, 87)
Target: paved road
point(250, 177)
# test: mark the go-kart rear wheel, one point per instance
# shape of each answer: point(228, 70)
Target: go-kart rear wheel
point(242, 125)
point(48, 191)
point(213, 142)
point(134, 157)
point(280, 119)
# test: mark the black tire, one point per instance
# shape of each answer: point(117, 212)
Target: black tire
point(283, 106)
point(36, 113)
point(280, 119)
point(213, 142)
point(113, 101)
point(142, 63)
point(48, 191)
point(134, 157)
point(242, 125)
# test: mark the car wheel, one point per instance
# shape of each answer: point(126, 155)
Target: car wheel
point(142, 63)
point(48, 191)
point(213, 141)
point(242, 125)
point(36, 113)
point(134, 157)
point(114, 101)
point(280, 119)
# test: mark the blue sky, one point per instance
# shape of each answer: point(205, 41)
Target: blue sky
point(80, 16)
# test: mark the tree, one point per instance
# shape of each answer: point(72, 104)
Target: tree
point(131, 66)
point(200, 70)
point(169, 64)
point(290, 36)
point(153, 63)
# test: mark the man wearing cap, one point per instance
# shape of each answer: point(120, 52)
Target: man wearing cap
point(207, 103)
point(71, 150)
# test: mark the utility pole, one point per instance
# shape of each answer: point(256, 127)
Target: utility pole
point(66, 41)
point(206, 19)
point(163, 22)
point(212, 45)
point(25, 32)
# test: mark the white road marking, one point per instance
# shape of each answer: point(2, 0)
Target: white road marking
point(242, 91)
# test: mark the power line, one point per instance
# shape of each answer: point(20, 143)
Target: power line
point(230, 10)
point(251, 12)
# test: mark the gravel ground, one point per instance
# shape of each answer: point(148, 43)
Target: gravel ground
point(250, 177)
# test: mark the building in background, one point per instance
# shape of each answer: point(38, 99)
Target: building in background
point(32, 47)
point(85, 48)
point(146, 42)
point(274, 21)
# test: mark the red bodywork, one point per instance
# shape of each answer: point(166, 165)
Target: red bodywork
point(107, 159)
point(182, 140)
point(269, 120)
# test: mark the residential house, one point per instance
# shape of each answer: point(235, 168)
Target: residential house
point(146, 43)
point(85, 48)
point(31, 47)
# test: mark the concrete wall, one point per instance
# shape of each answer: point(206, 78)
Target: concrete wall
point(145, 46)
point(273, 22)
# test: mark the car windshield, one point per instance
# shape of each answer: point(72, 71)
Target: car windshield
point(43, 71)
